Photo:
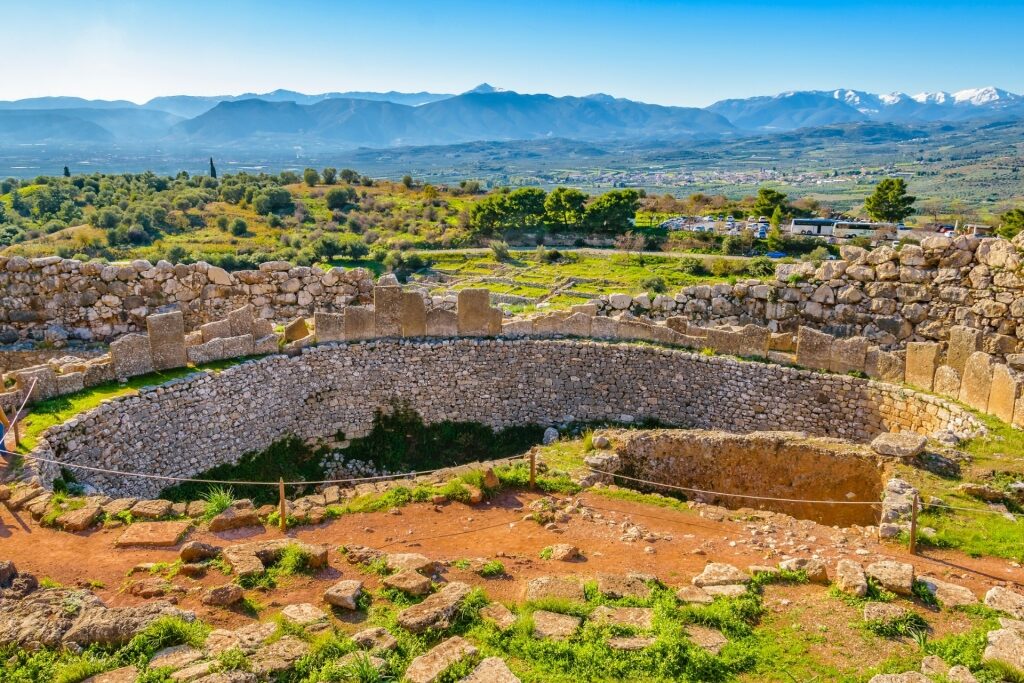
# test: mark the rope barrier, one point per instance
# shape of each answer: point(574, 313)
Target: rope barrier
point(232, 482)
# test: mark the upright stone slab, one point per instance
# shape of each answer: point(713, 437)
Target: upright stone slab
point(387, 311)
point(474, 311)
point(359, 323)
point(45, 383)
point(517, 328)
point(1002, 399)
point(576, 325)
point(167, 340)
point(922, 360)
point(130, 356)
point(442, 323)
point(813, 349)
point(723, 340)
point(963, 341)
point(883, 365)
point(329, 327)
point(414, 315)
point(218, 329)
point(296, 329)
point(237, 347)
point(753, 341)
point(848, 355)
point(207, 352)
point(604, 327)
point(241, 321)
point(976, 384)
point(947, 382)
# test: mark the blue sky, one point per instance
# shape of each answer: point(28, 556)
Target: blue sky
point(684, 53)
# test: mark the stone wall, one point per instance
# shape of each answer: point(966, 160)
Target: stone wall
point(189, 425)
point(53, 299)
point(891, 297)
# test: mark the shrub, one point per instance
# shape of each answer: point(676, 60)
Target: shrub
point(691, 265)
point(500, 250)
point(654, 284)
point(492, 569)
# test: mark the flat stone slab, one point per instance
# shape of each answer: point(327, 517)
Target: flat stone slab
point(437, 611)
point(377, 639)
point(428, 667)
point(344, 594)
point(151, 509)
point(303, 613)
point(708, 638)
point(1005, 645)
point(411, 561)
point(491, 670)
point(499, 615)
point(278, 656)
point(903, 445)
point(719, 574)
point(732, 590)
point(554, 625)
point(634, 617)
point(616, 587)
point(694, 595)
point(1005, 600)
point(897, 577)
point(153, 534)
point(544, 587)
point(126, 674)
point(883, 611)
point(408, 581)
point(631, 643)
point(949, 594)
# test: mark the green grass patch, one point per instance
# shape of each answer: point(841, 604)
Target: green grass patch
point(293, 560)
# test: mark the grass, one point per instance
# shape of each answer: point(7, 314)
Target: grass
point(492, 569)
point(292, 561)
point(904, 625)
point(218, 499)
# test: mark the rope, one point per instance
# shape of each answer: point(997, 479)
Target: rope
point(794, 500)
point(234, 482)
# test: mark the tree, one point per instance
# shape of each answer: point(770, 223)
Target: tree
point(213, 169)
point(3, 212)
point(339, 198)
point(768, 200)
point(612, 212)
point(239, 227)
point(1013, 223)
point(330, 175)
point(565, 207)
point(407, 181)
point(67, 172)
point(310, 177)
point(525, 207)
point(348, 175)
point(18, 203)
point(890, 202)
point(777, 217)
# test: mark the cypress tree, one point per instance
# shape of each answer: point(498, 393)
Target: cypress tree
point(213, 169)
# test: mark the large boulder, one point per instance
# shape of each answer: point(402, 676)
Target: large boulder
point(118, 625)
point(1005, 645)
point(850, 578)
point(1005, 600)
point(897, 577)
point(437, 611)
point(42, 618)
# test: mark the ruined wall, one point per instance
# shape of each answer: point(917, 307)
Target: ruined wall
point(802, 468)
point(890, 297)
point(54, 299)
point(187, 426)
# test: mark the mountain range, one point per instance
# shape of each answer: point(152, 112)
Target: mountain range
point(347, 120)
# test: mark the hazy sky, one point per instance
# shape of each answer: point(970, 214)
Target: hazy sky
point(686, 53)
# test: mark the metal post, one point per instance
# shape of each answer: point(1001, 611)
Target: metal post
point(913, 527)
point(533, 469)
point(282, 507)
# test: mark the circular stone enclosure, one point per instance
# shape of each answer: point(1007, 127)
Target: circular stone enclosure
point(783, 465)
point(189, 425)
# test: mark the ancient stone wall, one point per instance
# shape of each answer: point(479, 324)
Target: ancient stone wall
point(189, 425)
point(54, 299)
point(890, 297)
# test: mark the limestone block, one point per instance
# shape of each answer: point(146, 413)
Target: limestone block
point(576, 325)
point(603, 327)
point(261, 327)
point(99, 371)
point(236, 347)
point(813, 349)
point(216, 330)
point(475, 316)
point(359, 323)
point(296, 329)
point(586, 309)
point(883, 365)
point(387, 311)
point(194, 337)
point(963, 341)
point(847, 355)
point(922, 360)
point(241, 321)
point(677, 323)
point(441, 323)
point(131, 356)
point(70, 382)
point(547, 325)
point(270, 343)
point(45, 383)
point(329, 327)
point(207, 352)
point(976, 384)
point(517, 328)
point(947, 382)
point(781, 341)
point(414, 315)
point(723, 341)
point(167, 340)
point(1006, 389)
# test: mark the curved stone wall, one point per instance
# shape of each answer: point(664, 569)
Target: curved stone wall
point(189, 425)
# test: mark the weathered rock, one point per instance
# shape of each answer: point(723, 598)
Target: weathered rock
point(151, 509)
point(719, 574)
point(411, 562)
point(222, 596)
point(564, 552)
point(710, 639)
point(499, 615)
point(616, 586)
point(436, 611)
point(559, 588)
point(375, 639)
point(41, 618)
point(175, 657)
point(80, 519)
point(197, 551)
point(1005, 600)
point(949, 594)
point(897, 577)
point(1005, 645)
point(118, 625)
point(428, 667)
point(408, 581)
point(344, 594)
point(904, 445)
point(491, 670)
point(234, 518)
point(278, 656)
point(304, 614)
point(908, 677)
point(815, 569)
point(554, 625)
point(850, 578)
point(125, 674)
point(694, 595)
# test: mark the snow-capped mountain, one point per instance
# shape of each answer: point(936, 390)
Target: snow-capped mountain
point(791, 110)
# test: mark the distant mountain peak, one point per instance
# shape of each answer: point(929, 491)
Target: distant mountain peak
point(484, 89)
point(983, 96)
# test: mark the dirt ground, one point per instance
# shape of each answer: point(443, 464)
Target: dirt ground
point(683, 542)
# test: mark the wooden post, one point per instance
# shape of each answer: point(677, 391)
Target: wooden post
point(913, 527)
point(533, 469)
point(282, 510)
